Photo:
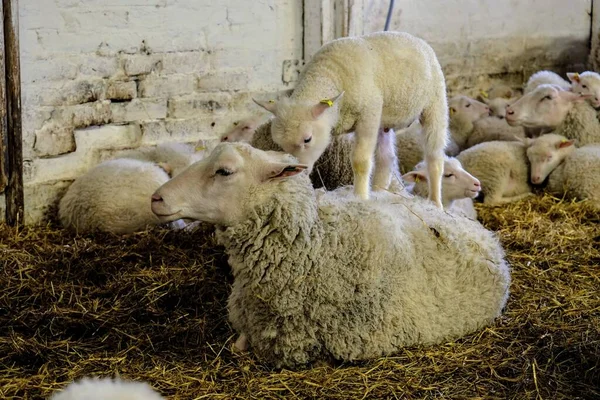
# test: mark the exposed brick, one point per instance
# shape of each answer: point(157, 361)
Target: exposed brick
point(83, 115)
point(138, 64)
point(54, 139)
point(108, 137)
point(61, 94)
point(167, 86)
point(119, 90)
point(197, 105)
point(139, 110)
point(92, 65)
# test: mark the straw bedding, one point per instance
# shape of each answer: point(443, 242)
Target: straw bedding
point(152, 306)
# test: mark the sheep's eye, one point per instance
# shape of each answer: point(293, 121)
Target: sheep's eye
point(468, 105)
point(584, 86)
point(223, 172)
point(547, 97)
point(308, 140)
point(448, 175)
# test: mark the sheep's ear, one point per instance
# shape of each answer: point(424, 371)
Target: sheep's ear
point(573, 77)
point(565, 143)
point(324, 104)
point(574, 97)
point(415, 176)
point(277, 170)
point(270, 105)
point(526, 141)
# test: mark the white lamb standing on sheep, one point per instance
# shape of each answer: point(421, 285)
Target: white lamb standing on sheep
point(502, 168)
point(459, 188)
point(107, 389)
point(553, 109)
point(336, 277)
point(587, 82)
point(571, 172)
point(359, 84)
point(113, 196)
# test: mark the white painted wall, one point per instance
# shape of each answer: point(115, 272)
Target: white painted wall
point(507, 39)
point(147, 71)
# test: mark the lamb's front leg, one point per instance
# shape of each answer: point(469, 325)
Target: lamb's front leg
point(362, 154)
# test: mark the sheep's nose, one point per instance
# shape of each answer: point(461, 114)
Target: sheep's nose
point(224, 139)
point(477, 184)
point(535, 179)
point(156, 198)
point(509, 111)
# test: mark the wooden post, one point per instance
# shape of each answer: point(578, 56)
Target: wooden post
point(14, 143)
point(3, 129)
point(594, 59)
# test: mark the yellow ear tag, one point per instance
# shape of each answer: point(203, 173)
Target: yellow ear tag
point(200, 147)
point(576, 76)
point(417, 178)
point(327, 101)
point(564, 141)
point(271, 101)
point(484, 94)
point(451, 111)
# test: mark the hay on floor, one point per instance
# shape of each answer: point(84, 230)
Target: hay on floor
point(152, 306)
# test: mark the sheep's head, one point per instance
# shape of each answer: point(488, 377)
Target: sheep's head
point(545, 153)
point(586, 83)
point(303, 129)
point(456, 182)
point(498, 106)
point(466, 108)
point(242, 131)
point(223, 187)
point(545, 107)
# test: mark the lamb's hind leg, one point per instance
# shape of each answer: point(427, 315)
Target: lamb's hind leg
point(362, 154)
point(386, 161)
point(434, 120)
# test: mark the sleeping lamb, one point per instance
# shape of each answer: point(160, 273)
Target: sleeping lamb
point(339, 277)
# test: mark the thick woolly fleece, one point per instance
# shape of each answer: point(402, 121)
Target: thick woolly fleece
point(355, 280)
point(464, 207)
point(489, 129)
point(581, 123)
point(578, 176)
point(501, 167)
point(106, 389)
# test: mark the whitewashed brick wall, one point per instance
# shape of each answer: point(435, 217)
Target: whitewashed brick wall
point(103, 75)
point(478, 41)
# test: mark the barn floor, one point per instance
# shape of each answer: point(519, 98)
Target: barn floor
point(152, 306)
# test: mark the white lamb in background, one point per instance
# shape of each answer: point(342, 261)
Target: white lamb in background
point(498, 98)
point(340, 277)
point(502, 168)
point(587, 82)
point(552, 109)
point(571, 172)
point(107, 389)
point(384, 79)
point(464, 111)
point(114, 195)
point(459, 188)
point(545, 78)
point(488, 129)
point(243, 130)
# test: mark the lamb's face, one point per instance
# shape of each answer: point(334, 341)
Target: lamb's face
point(299, 133)
point(456, 182)
point(587, 83)
point(220, 188)
point(546, 153)
point(467, 109)
point(498, 106)
point(545, 107)
point(243, 131)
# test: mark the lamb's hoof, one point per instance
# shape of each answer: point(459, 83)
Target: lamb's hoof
point(241, 344)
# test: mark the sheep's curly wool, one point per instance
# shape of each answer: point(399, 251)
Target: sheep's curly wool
point(581, 123)
point(352, 279)
point(107, 389)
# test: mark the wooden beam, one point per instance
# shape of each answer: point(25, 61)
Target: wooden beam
point(14, 143)
point(594, 60)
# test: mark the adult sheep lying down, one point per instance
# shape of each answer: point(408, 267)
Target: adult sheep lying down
point(338, 277)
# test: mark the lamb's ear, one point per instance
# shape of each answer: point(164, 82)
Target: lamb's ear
point(574, 97)
point(270, 105)
point(415, 176)
point(565, 143)
point(526, 141)
point(324, 104)
point(278, 170)
point(573, 77)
